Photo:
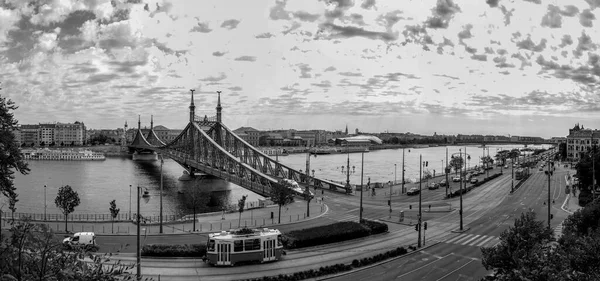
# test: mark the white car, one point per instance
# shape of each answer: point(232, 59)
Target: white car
point(456, 179)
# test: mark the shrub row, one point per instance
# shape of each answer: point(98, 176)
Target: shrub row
point(332, 233)
point(161, 250)
point(334, 269)
point(469, 188)
point(375, 227)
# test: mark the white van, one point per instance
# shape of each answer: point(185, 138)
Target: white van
point(81, 239)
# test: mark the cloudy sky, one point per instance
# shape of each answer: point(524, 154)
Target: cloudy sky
point(473, 67)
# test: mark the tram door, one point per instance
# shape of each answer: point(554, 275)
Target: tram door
point(224, 253)
point(269, 250)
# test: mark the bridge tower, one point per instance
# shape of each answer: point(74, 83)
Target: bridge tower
point(192, 107)
point(151, 122)
point(219, 108)
point(139, 122)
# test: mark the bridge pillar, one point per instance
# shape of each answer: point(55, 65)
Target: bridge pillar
point(136, 156)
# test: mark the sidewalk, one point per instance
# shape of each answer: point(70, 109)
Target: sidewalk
point(212, 222)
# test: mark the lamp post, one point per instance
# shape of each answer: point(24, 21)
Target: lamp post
point(403, 170)
point(362, 168)
point(130, 202)
point(419, 218)
point(447, 171)
point(463, 179)
point(45, 203)
point(161, 194)
point(394, 174)
point(138, 242)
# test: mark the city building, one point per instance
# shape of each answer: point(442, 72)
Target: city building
point(249, 134)
point(69, 133)
point(46, 134)
point(580, 141)
point(29, 135)
point(165, 134)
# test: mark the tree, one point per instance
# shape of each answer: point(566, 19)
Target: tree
point(457, 163)
point(584, 169)
point(281, 194)
point(198, 199)
point(562, 148)
point(241, 205)
point(114, 212)
point(522, 247)
point(10, 157)
point(33, 252)
point(66, 200)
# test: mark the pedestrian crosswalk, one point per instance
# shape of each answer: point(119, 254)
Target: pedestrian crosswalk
point(558, 230)
point(476, 240)
point(341, 217)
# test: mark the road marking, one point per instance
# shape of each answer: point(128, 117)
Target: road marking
point(454, 270)
point(476, 241)
point(419, 268)
point(463, 239)
point(485, 241)
point(467, 242)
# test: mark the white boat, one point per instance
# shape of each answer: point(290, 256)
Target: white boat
point(60, 154)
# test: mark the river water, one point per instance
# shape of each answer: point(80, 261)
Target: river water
point(99, 182)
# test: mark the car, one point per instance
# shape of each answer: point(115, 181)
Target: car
point(443, 182)
point(413, 191)
point(433, 185)
point(474, 180)
point(456, 179)
point(541, 168)
point(87, 240)
point(505, 166)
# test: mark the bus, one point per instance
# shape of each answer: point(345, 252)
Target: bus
point(244, 245)
point(521, 173)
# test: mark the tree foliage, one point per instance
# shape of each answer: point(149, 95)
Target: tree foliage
point(66, 200)
point(584, 169)
point(114, 212)
point(241, 205)
point(33, 252)
point(281, 194)
point(457, 163)
point(10, 156)
point(528, 251)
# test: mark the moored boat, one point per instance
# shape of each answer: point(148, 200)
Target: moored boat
point(59, 154)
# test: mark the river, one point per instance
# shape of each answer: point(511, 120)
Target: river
point(99, 182)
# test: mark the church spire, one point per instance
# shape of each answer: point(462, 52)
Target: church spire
point(151, 122)
point(346, 129)
point(139, 122)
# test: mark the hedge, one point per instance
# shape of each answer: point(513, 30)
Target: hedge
point(334, 269)
point(337, 232)
point(162, 250)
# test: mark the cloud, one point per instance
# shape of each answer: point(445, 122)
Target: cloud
point(552, 19)
point(230, 24)
point(528, 44)
point(278, 11)
point(351, 74)
point(492, 3)
point(367, 4)
point(236, 88)
point(305, 16)
point(534, 1)
point(322, 84)
point(304, 70)
point(442, 14)
point(264, 35)
point(586, 17)
point(221, 77)
point(201, 27)
point(566, 40)
point(569, 11)
point(331, 68)
point(218, 54)
point(337, 31)
point(246, 58)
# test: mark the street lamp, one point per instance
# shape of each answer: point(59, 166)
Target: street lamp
point(463, 179)
point(138, 242)
point(45, 202)
point(403, 170)
point(362, 168)
point(130, 202)
point(394, 174)
point(421, 164)
point(161, 194)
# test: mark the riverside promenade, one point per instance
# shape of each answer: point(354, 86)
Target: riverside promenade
point(210, 222)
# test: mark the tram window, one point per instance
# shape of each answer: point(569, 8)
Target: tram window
point(279, 243)
point(211, 245)
point(256, 244)
point(251, 244)
point(238, 245)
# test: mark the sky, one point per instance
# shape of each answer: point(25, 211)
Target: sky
point(499, 67)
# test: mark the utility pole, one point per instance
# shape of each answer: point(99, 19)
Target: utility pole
point(161, 194)
point(419, 221)
point(138, 243)
point(461, 190)
point(512, 177)
point(593, 168)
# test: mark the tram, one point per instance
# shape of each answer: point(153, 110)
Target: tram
point(244, 245)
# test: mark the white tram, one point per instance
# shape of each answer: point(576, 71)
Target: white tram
point(244, 245)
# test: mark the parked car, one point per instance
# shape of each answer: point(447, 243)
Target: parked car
point(541, 168)
point(433, 185)
point(443, 182)
point(474, 180)
point(413, 191)
point(456, 179)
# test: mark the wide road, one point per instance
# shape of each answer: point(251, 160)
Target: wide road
point(457, 256)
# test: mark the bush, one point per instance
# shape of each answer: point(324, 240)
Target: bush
point(375, 227)
point(160, 250)
point(325, 234)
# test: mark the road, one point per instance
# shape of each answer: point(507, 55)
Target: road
point(457, 256)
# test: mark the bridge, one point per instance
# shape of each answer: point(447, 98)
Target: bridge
point(208, 146)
